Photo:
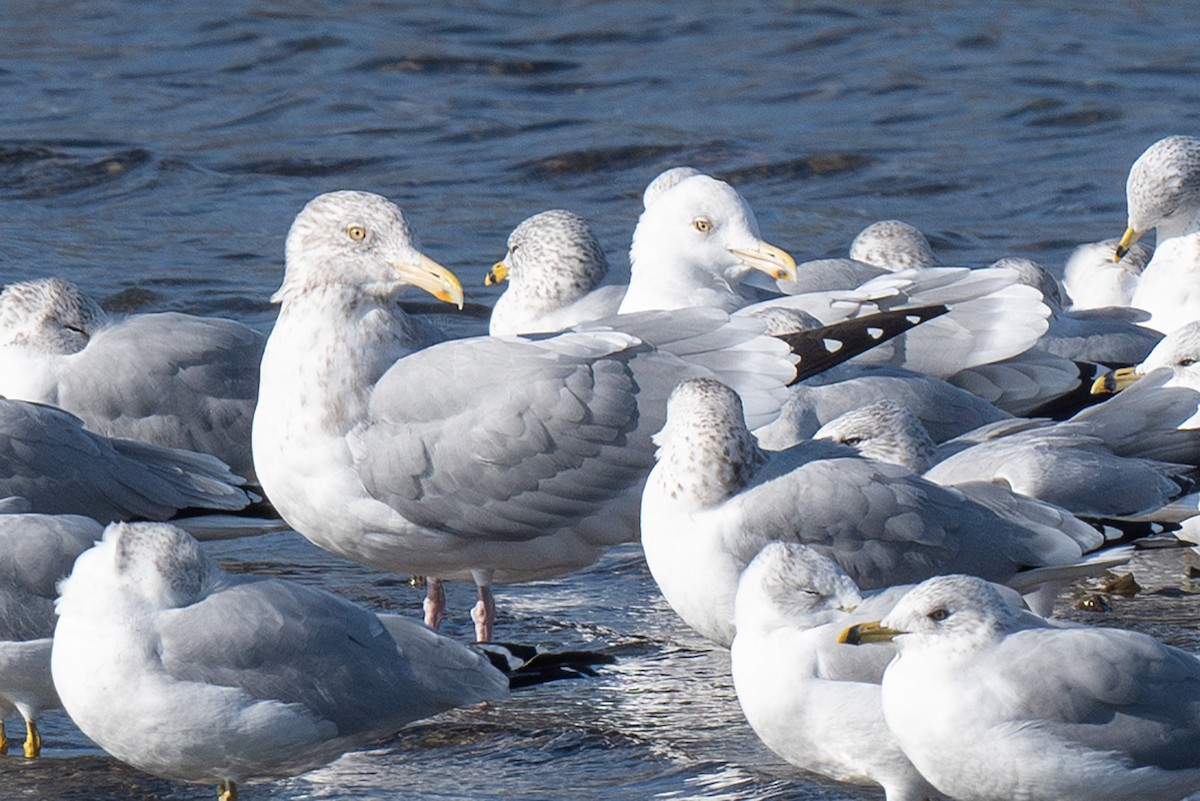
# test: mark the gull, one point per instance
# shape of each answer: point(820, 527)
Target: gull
point(1094, 281)
point(36, 551)
point(715, 498)
point(993, 703)
point(175, 380)
point(554, 266)
point(52, 462)
point(698, 241)
point(192, 674)
point(1063, 464)
point(813, 701)
point(1163, 193)
point(883, 247)
point(490, 459)
point(1108, 336)
point(893, 245)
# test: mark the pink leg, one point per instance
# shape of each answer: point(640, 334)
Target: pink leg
point(435, 602)
point(484, 614)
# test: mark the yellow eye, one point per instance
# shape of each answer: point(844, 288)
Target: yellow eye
point(702, 225)
point(357, 233)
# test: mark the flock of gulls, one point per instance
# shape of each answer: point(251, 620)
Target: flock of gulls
point(869, 477)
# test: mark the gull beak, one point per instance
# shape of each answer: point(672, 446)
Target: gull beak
point(1126, 243)
point(867, 632)
point(1115, 381)
point(435, 279)
point(497, 274)
point(768, 259)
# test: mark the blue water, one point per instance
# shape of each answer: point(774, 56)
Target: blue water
point(156, 154)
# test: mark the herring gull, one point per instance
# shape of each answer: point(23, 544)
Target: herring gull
point(490, 459)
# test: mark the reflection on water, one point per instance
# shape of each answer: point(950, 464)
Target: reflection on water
point(156, 154)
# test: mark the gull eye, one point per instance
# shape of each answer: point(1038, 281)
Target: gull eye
point(1186, 362)
point(852, 440)
point(702, 225)
point(357, 233)
point(939, 615)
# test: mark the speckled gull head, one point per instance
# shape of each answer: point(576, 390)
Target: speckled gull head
point(703, 221)
point(955, 612)
point(152, 564)
point(49, 315)
point(886, 431)
point(1162, 191)
point(788, 584)
point(552, 255)
point(893, 245)
point(359, 242)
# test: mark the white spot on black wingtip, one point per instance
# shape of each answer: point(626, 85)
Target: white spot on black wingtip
point(832, 345)
point(913, 319)
point(875, 333)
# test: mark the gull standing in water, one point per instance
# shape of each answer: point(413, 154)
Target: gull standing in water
point(36, 552)
point(492, 459)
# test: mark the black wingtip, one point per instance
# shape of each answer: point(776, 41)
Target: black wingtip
point(830, 345)
point(527, 666)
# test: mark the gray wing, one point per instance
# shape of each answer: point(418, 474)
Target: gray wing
point(1107, 689)
point(36, 551)
point(820, 275)
point(517, 438)
point(886, 526)
point(1065, 466)
point(285, 642)
point(1143, 420)
point(1099, 335)
point(172, 379)
point(48, 458)
point(511, 438)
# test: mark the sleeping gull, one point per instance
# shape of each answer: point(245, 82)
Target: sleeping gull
point(553, 267)
point(992, 703)
point(813, 701)
point(58, 467)
point(192, 674)
point(36, 551)
point(172, 379)
point(491, 459)
point(1094, 281)
point(714, 499)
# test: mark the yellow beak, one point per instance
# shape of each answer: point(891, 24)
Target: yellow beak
point(435, 279)
point(498, 273)
point(1115, 381)
point(1131, 236)
point(867, 632)
point(769, 259)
